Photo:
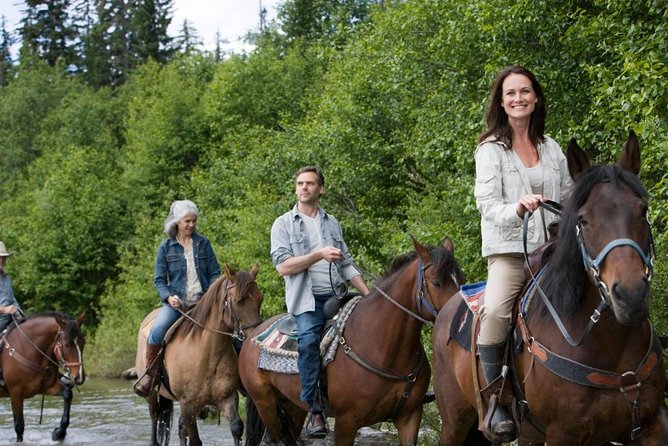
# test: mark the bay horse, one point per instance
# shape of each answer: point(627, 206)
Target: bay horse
point(42, 355)
point(379, 371)
point(605, 383)
point(199, 366)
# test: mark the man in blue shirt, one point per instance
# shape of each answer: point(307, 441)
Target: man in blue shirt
point(304, 242)
point(8, 303)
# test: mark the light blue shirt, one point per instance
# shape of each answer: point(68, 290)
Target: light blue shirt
point(289, 238)
point(6, 298)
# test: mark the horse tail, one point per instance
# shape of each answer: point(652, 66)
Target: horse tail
point(165, 415)
point(290, 432)
point(255, 428)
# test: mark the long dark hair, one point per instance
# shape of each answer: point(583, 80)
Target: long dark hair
point(497, 119)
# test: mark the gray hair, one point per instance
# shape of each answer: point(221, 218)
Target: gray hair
point(178, 210)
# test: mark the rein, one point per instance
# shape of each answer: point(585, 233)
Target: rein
point(421, 283)
point(57, 351)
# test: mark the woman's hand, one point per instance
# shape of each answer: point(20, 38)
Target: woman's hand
point(174, 301)
point(528, 203)
point(9, 309)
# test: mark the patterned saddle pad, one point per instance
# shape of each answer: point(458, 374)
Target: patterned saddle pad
point(278, 349)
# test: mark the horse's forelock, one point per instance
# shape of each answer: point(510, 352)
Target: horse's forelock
point(244, 284)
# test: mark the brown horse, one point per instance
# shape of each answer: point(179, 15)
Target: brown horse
point(42, 355)
point(379, 371)
point(200, 361)
point(605, 383)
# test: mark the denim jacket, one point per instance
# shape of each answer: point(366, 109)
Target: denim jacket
point(170, 276)
point(289, 238)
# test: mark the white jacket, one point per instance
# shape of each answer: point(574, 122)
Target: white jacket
point(501, 180)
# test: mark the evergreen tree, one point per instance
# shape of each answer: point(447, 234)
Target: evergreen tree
point(148, 30)
point(47, 31)
point(6, 67)
point(187, 42)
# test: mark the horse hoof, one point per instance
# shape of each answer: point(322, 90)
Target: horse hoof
point(58, 434)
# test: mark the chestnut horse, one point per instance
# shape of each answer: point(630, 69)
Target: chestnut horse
point(200, 361)
point(42, 355)
point(379, 371)
point(605, 383)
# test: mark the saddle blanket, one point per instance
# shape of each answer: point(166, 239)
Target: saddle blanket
point(473, 294)
point(278, 350)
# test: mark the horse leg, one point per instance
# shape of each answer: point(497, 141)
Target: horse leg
point(188, 426)
point(17, 411)
point(458, 426)
point(152, 401)
point(229, 407)
point(345, 430)
point(60, 432)
point(409, 427)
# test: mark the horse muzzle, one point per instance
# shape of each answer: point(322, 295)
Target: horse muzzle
point(631, 305)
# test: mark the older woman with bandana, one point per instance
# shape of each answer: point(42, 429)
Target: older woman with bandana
point(185, 267)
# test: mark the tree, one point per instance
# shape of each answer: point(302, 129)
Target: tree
point(48, 33)
point(148, 30)
point(187, 41)
point(6, 66)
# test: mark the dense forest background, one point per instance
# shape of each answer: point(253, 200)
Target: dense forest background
point(104, 120)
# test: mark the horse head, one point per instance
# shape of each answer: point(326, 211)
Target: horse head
point(439, 275)
point(606, 217)
point(244, 300)
point(68, 349)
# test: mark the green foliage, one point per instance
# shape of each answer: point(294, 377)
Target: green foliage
point(387, 97)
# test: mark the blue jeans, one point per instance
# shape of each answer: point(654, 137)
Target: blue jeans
point(165, 319)
point(309, 332)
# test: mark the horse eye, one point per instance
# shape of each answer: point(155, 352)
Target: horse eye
point(582, 221)
point(436, 283)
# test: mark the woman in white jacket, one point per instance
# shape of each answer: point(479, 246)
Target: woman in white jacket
point(517, 167)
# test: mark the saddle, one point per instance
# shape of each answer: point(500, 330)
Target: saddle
point(278, 343)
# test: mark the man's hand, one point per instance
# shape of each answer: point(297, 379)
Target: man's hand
point(331, 254)
point(174, 301)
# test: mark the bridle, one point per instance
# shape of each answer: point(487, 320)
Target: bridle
point(592, 266)
point(57, 346)
point(226, 308)
point(420, 299)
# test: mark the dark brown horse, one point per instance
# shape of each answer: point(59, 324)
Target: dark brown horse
point(42, 355)
point(200, 361)
point(379, 370)
point(587, 364)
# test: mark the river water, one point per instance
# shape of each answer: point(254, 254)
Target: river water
point(107, 412)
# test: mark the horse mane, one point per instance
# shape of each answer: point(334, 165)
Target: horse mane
point(443, 262)
point(565, 282)
point(201, 310)
point(244, 282)
point(72, 330)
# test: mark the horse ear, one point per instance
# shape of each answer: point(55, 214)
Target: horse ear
point(447, 244)
point(81, 319)
point(255, 270)
point(229, 272)
point(578, 162)
point(421, 250)
point(62, 322)
point(630, 158)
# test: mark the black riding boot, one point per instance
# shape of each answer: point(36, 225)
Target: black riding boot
point(144, 387)
point(491, 359)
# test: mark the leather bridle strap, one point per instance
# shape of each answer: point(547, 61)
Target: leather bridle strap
point(595, 316)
